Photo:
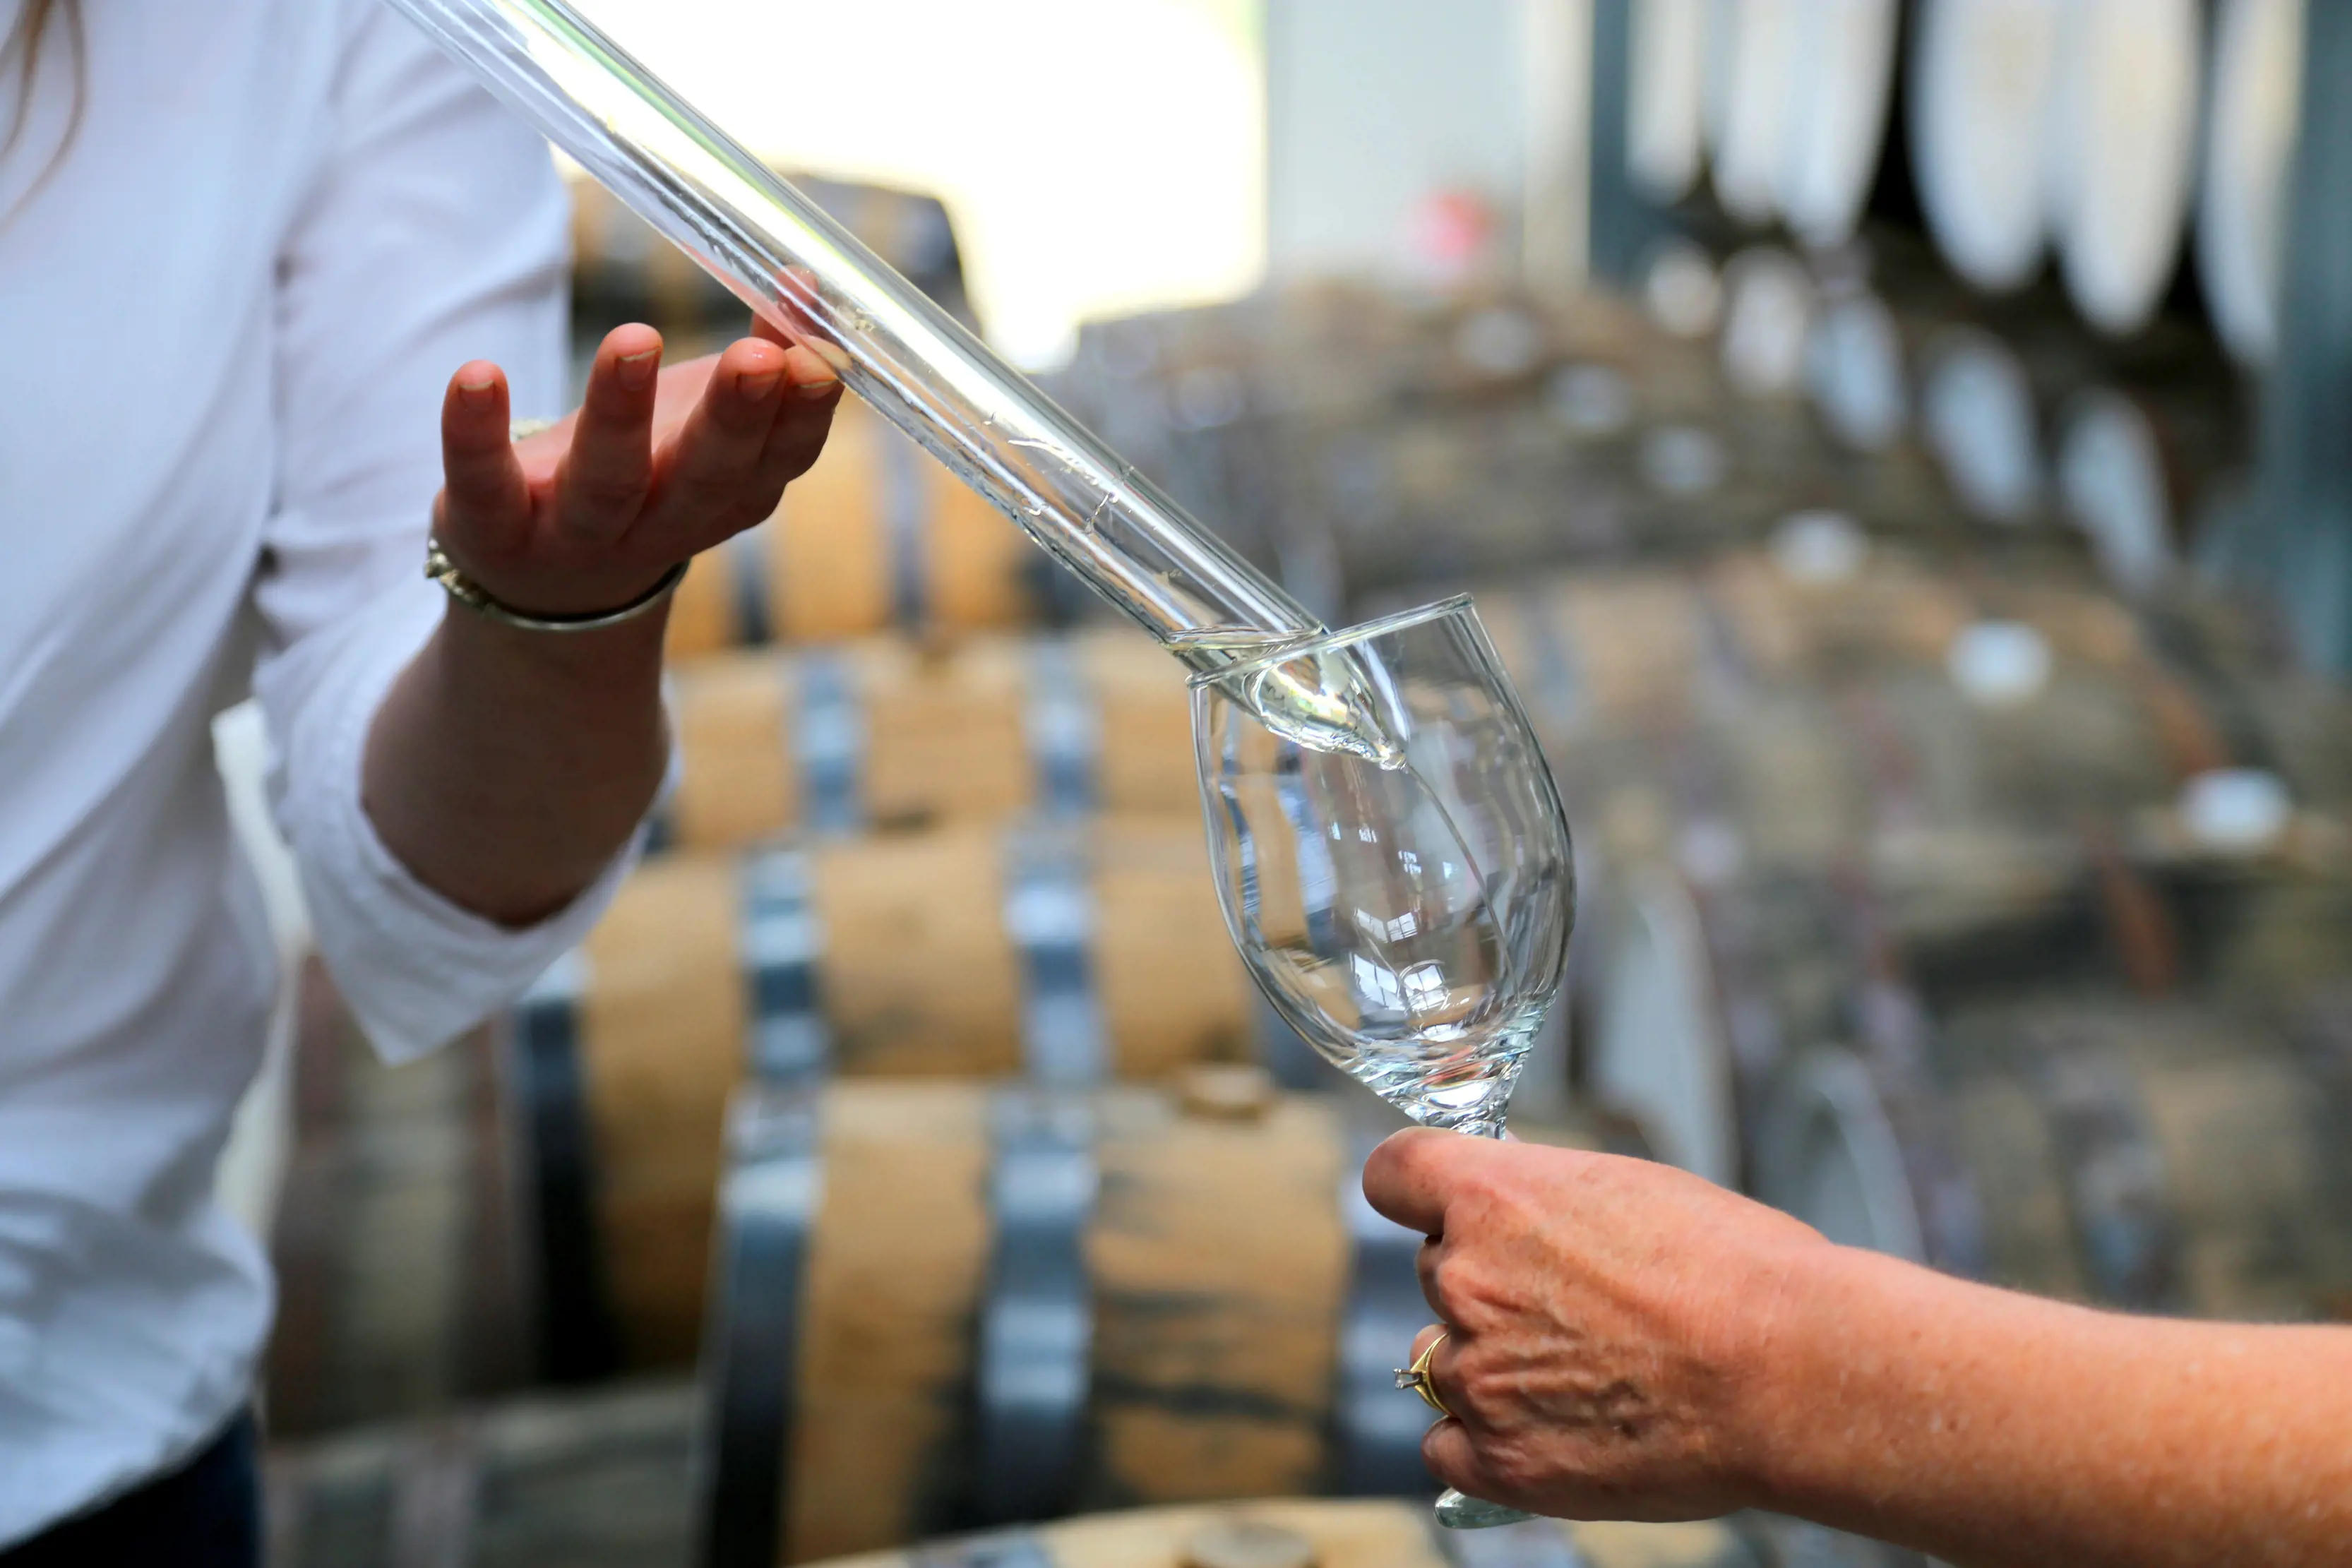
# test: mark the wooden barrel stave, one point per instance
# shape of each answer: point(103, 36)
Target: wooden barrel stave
point(1186, 1277)
point(2158, 1156)
point(396, 1245)
point(1195, 1268)
point(1716, 724)
point(945, 1305)
point(878, 534)
point(622, 267)
point(1852, 689)
point(895, 735)
point(1770, 953)
point(599, 1481)
point(1385, 1534)
point(1076, 955)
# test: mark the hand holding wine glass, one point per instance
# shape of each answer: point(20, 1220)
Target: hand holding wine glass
point(1592, 1373)
point(1394, 862)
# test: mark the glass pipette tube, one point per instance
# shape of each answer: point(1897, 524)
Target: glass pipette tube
point(919, 367)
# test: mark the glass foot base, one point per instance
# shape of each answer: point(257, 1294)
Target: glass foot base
point(1459, 1511)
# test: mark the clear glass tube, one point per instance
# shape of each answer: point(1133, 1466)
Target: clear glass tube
point(923, 371)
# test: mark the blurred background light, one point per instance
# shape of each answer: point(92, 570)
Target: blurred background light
point(1096, 158)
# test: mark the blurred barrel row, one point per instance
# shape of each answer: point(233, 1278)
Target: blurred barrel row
point(598, 1482)
point(1961, 873)
point(2139, 148)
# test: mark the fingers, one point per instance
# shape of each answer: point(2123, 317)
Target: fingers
point(804, 306)
point(608, 471)
point(485, 500)
point(712, 466)
point(811, 395)
point(1453, 1457)
point(1426, 1264)
point(1441, 1371)
point(761, 422)
point(1405, 1180)
point(1450, 1448)
point(768, 331)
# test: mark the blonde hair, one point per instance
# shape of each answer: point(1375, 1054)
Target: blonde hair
point(25, 43)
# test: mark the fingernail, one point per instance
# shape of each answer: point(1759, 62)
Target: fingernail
point(636, 370)
point(758, 384)
point(812, 390)
point(476, 394)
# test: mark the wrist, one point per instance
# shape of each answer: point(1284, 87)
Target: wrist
point(1808, 1412)
point(587, 608)
point(602, 664)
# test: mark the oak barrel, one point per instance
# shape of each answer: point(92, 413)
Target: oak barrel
point(1716, 967)
point(403, 1287)
point(598, 1481)
point(1292, 1533)
point(878, 534)
point(1948, 688)
point(1389, 443)
point(941, 1305)
point(1073, 954)
point(896, 734)
point(622, 270)
point(1799, 712)
point(2154, 1156)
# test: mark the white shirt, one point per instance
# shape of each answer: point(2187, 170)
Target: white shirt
point(228, 315)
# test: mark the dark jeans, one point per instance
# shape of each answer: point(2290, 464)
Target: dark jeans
point(205, 1514)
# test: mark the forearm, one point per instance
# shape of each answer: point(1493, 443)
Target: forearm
point(506, 767)
point(1993, 1428)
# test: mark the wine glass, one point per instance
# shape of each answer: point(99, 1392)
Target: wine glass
point(1394, 863)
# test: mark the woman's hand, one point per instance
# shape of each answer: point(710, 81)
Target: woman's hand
point(507, 766)
point(1609, 1324)
point(655, 466)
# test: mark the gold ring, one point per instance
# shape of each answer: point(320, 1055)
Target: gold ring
point(1416, 1377)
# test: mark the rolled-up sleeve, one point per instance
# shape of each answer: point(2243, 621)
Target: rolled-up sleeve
point(434, 234)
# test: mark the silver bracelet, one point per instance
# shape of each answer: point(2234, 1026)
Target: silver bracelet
point(474, 597)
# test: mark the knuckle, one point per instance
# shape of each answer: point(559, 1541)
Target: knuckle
point(1513, 1467)
point(1485, 1388)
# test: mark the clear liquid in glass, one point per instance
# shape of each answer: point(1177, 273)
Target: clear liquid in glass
point(1383, 820)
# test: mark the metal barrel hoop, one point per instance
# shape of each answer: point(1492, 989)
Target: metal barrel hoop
point(1895, 1035)
point(1050, 915)
point(577, 1339)
point(1064, 730)
point(747, 577)
point(782, 942)
point(768, 1203)
point(2114, 1170)
point(829, 743)
point(1032, 1366)
point(905, 511)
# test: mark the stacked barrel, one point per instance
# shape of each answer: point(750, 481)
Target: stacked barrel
point(911, 1089)
point(1961, 873)
point(1963, 870)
